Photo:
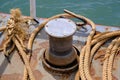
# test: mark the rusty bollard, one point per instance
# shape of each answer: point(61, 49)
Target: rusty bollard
point(61, 52)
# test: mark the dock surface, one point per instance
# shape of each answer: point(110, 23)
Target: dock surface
point(14, 70)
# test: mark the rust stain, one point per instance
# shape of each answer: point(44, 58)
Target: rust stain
point(38, 75)
point(92, 70)
point(4, 16)
point(44, 44)
point(115, 78)
point(14, 76)
point(97, 78)
point(100, 54)
point(34, 61)
point(115, 65)
point(119, 54)
point(107, 28)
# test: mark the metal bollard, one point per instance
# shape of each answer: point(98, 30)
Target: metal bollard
point(61, 51)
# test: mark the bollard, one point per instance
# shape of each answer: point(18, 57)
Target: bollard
point(60, 32)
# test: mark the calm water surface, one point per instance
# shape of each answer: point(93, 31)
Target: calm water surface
point(106, 12)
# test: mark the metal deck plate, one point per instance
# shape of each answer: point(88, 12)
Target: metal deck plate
point(14, 70)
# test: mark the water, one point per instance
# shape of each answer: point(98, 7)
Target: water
point(105, 12)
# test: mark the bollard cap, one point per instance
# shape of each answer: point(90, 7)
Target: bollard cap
point(60, 27)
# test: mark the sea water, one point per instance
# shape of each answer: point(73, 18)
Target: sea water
point(104, 12)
